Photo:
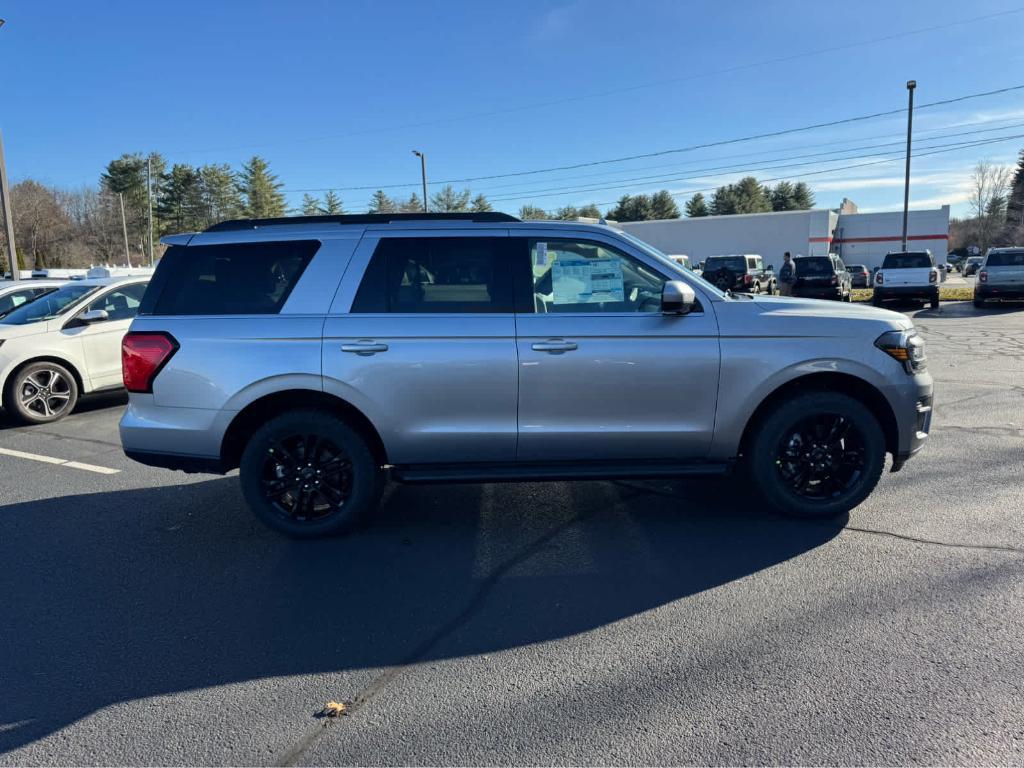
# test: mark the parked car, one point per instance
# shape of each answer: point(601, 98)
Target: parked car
point(14, 294)
point(741, 273)
point(860, 277)
point(322, 355)
point(681, 259)
point(64, 344)
point(821, 277)
point(1001, 276)
point(972, 264)
point(907, 275)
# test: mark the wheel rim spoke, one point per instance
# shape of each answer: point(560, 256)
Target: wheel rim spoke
point(821, 456)
point(306, 477)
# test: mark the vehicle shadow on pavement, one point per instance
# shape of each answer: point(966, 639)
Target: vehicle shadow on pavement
point(111, 597)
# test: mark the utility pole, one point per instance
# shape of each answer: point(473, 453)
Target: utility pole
point(5, 201)
point(423, 175)
point(911, 85)
point(149, 200)
point(124, 229)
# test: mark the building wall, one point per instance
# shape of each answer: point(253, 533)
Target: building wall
point(860, 238)
point(865, 238)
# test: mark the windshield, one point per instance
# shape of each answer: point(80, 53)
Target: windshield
point(735, 263)
point(1006, 259)
point(667, 261)
point(49, 306)
point(813, 265)
point(907, 261)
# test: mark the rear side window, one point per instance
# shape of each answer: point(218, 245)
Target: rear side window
point(1006, 259)
point(438, 275)
point(907, 261)
point(233, 279)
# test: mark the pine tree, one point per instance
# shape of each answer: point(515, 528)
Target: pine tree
point(783, 197)
point(663, 206)
point(310, 205)
point(723, 201)
point(803, 196)
point(260, 190)
point(590, 211)
point(751, 196)
point(381, 203)
point(566, 213)
point(180, 207)
point(412, 205)
point(480, 204)
point(1015, 204)
point(127, 176)
point(530, 212)
point(631, 208)
point(696, 206)
point(448, 200)
point(332, 204)
point(220, 198)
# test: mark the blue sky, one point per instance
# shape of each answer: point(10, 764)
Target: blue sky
point(337, 94)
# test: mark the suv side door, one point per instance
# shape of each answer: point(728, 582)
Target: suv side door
point(101, 341)
point(421, 337)
point(603, 375)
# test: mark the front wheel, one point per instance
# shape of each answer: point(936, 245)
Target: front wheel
point(41, 393)
point(934, 302)
point(979, 303)
point(307, 474)
point(817, 455)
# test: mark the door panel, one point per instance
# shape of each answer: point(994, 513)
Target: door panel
point(603, 375)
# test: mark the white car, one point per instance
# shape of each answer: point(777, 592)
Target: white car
point(15, 294)
point(64, 344)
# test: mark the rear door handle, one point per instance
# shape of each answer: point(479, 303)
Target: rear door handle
point(364, 348)
point(554, 346)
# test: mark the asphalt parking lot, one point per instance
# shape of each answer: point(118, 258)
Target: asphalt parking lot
point(146, 617)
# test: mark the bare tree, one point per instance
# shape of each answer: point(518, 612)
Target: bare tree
point(990, 188)
point(41, 225)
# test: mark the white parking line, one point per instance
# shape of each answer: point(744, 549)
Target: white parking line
point(62, 462)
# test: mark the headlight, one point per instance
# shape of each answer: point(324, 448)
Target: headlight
point(907, 347)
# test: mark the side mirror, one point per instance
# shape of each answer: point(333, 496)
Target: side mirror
point(677, 298)
point(94, 316)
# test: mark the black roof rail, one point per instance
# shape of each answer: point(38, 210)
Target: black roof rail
point(359, 218)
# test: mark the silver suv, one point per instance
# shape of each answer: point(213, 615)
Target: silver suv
point(321, 355)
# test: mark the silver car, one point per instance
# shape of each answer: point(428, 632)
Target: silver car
point(1000, 276)
point(323, 355)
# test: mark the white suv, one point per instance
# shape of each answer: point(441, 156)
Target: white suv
point(64, 344)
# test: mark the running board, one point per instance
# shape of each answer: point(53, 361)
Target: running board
point(525, 473)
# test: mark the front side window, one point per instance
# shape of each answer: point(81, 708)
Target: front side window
point(122, 304)
point(581, 276)
point(430, 275)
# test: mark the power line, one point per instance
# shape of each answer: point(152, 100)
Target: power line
point(623, 89)
point(694, 147)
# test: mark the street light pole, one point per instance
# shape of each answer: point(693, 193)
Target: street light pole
point(5, 202)
point(911, 85)
point(423, 174)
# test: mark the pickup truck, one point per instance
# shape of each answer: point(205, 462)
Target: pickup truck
point(907, 275)
point(741, 273)
point(1001, 276)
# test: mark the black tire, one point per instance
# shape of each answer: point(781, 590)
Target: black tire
point(330, 493)
point(876, 301)
point(816, 455)
point(979, 303)
point(40, 393)
point(933, 302)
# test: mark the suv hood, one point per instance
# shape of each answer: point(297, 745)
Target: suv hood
point(815, 317)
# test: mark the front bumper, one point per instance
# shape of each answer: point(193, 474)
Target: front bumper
point(914, 422)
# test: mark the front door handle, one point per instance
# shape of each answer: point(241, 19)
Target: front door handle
point(554, 346)
point(364, 348)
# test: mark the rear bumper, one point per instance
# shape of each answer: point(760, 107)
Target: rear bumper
point(906, 292)
point(818, 292)
point(192, 464)
point(989, 291)
point(188, 439)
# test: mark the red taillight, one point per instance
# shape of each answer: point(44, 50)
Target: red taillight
point(748, 279)
point(983, 276)
point(878, 278)
point(143, 354)
point(835, 279)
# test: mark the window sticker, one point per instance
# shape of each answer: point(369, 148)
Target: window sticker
point(540, 255)
point(586, 281)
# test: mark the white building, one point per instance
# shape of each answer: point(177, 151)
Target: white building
point(859, 238)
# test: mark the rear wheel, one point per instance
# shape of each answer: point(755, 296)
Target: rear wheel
point(934, 302)
point(308, 474)
point(41, 393)
point(818, 454)
point(979, 303)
